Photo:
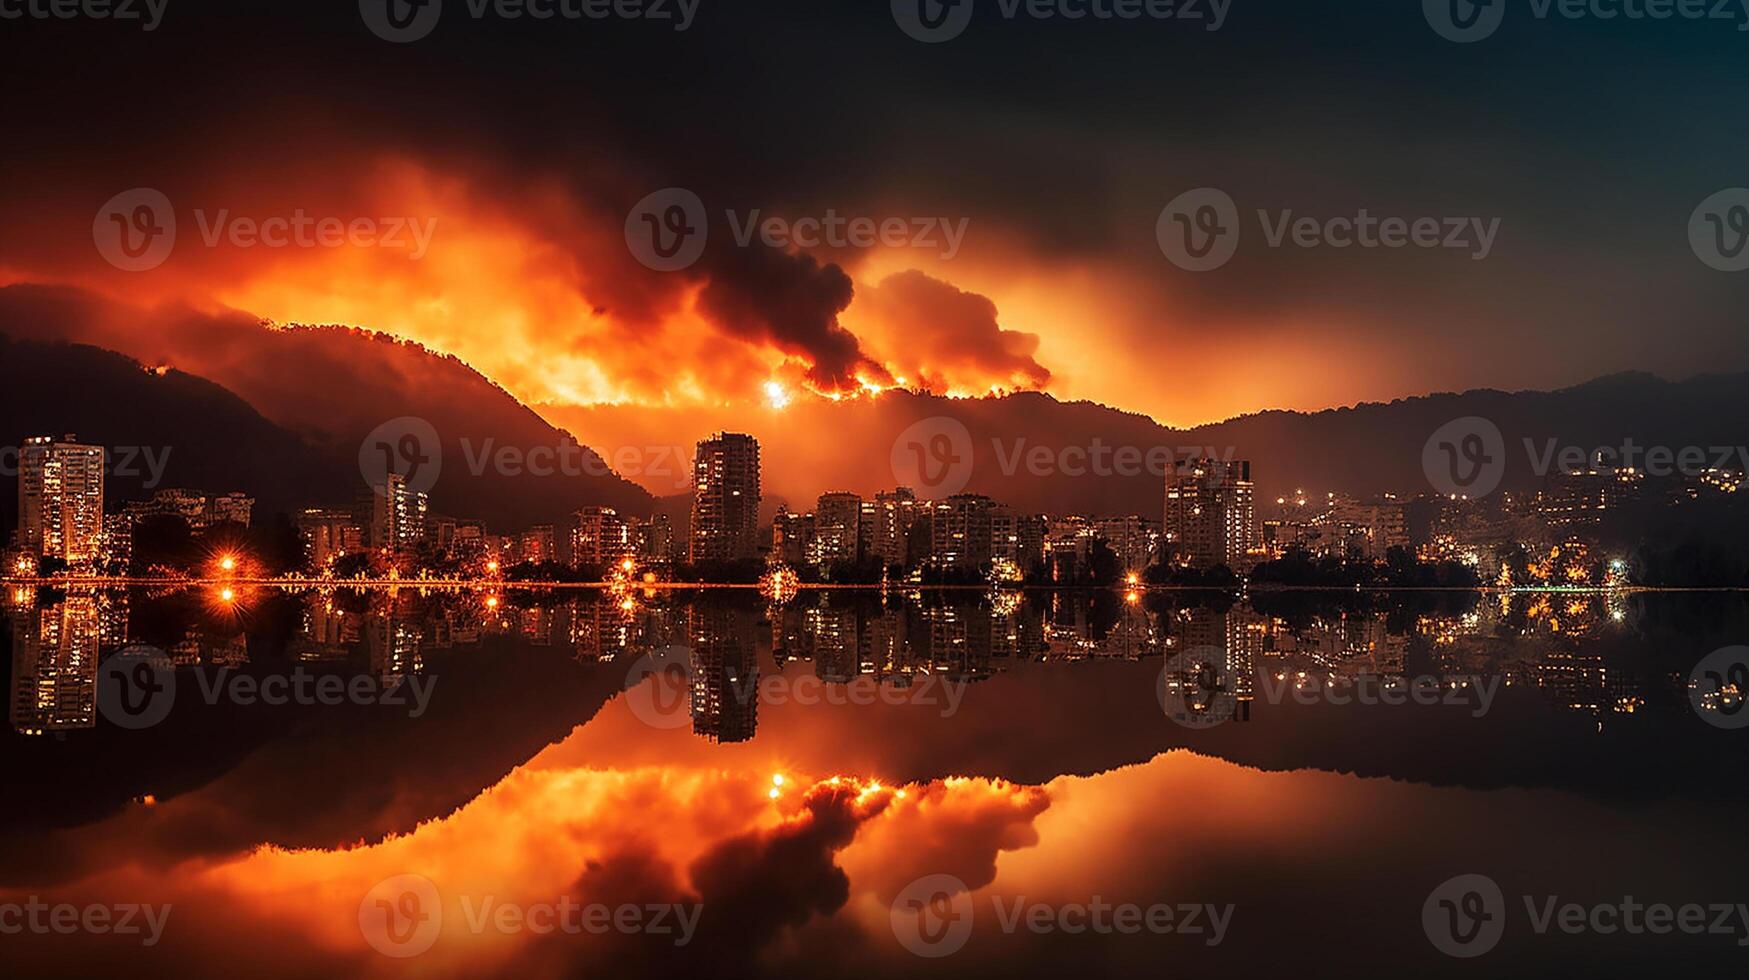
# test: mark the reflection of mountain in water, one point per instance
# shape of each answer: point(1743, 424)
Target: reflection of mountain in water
point(1592, 696)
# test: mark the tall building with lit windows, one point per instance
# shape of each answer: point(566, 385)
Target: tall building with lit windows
point(1211, 514)
point(885, 525)
point(725, 499)
point(837, 528)
point(398, 515)
point(60, 499)
point(602, 537)
point(961, 530)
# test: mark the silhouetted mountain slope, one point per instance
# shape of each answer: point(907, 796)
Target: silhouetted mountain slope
point(333, 386)
point(194, 432)
point(1367, 449)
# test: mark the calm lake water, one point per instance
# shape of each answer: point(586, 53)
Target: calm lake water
point(684, 784)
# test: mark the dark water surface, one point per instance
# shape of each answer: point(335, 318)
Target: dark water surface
point(705, 784)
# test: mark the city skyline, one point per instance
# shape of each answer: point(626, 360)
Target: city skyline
point(923, 488)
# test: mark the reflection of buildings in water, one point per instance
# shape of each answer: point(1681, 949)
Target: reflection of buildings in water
point(957, 641)
point(1573, 679)
point(224, 651)
point(1346, 644)
point(535, 626)
point(54, 666)
point(601, 628)
point(897, 640)
point(1582, 681)
point(1068, 632)
point(1018, 632)
point(112, 613)
point(882, 647)
point(1236, 634)
point(1567, 614)
point(323, 632)
point(833, 641)
point(725, 677)
point(395, 647)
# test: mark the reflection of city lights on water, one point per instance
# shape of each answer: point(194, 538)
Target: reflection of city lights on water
point(780, 584)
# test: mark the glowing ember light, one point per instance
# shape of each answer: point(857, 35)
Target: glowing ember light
point(1133, 578)
point(775, 793)
point(628, 604)
point(227, 594)
point(780, 584)
point(777, 780)
point(491, 602)
point(228, 563)
point(776, 396)
point(492, 566)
